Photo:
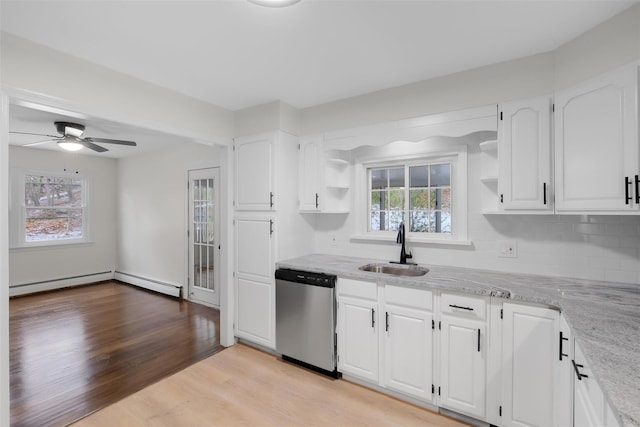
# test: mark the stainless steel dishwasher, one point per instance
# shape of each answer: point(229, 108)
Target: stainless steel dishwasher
point(306, 319)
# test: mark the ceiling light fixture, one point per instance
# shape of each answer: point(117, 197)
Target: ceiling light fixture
point(274, 3)
point(70, 143)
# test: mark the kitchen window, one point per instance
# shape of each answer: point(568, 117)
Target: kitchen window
point(427, 192)
point(418, 195)
point(53, 209)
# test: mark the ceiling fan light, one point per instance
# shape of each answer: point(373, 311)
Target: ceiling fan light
point(274, 3)
point(70, 146)
point(68, 130)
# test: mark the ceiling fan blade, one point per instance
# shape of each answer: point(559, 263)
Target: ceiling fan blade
point(92, 146)
point(37, 134)
point(111, 141)
point(39, 142)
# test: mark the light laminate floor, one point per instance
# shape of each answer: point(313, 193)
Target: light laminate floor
point(241, 386)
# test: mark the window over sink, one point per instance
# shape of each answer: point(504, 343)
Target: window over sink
point(425, 190)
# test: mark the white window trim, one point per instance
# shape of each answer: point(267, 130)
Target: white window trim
point(17, 210)
point(457, 156)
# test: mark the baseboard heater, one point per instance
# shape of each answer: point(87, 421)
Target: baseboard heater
point(49, 285)
point(151, 284)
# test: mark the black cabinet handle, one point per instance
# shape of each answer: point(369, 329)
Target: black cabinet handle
point(270, 198)
point(637, 190)
point(544, 192)
point(317, 204)
point(461, 308)
point(270, 227)
point(478, 340)
point(579, 375)
point(627, 183)
point(387, 321)
point(562, 338)
point(373, 318)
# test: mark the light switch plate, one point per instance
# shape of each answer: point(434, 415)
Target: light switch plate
point(508, 249)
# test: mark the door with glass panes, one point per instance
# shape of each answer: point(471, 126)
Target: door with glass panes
point(204, 236)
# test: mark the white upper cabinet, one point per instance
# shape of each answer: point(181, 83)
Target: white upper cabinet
point(596, 144)
point(524, 135)
point(309, 173)
point(325, 177)
point(255, 172)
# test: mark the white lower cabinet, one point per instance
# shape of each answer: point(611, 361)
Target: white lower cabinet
point(408, 342)
point(463, 367)
point(530, 367)
point(358, 337)
point(463, 354)
point(591, 407)
point(434, 348)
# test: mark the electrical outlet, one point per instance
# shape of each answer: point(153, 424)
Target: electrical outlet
point(508, 249)
point(334, 241)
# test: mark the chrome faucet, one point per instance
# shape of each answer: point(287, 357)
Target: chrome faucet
point(400, 239)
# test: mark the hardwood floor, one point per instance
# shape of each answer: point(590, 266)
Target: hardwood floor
point(77, 350)
point(242, 386)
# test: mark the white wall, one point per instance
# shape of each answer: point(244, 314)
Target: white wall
point(590, 247)
point(593, 247)
point(30, 265)
point(108, 94)
point(152, 211)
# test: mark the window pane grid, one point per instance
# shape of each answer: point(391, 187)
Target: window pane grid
point(426, 201)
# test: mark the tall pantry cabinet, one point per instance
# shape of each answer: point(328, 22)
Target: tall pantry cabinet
point(265, 198)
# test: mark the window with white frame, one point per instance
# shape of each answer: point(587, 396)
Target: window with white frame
point(53, 209)
point(418, 195)
point(427, 193)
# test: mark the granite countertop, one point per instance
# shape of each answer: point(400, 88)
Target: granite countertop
point(604, 317)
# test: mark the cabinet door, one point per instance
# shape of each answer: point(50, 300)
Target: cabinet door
point(591, 409)
point(596, 144)
point(254, 173)
point(530, 366)
point(255, 283)
point(309, 164)
point(408, 351)
point(358, 338)
point(463, 366)
point(524, 132)
point(565, 387)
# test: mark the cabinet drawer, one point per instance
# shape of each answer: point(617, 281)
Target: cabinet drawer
point(464, 306)
point(408, 297)
point(357, 288)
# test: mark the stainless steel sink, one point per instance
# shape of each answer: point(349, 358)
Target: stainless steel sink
point(395, 270)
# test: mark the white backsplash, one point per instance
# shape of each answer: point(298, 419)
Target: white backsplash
point(590, 247)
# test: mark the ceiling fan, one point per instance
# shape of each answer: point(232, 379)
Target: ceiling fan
point(71, 138)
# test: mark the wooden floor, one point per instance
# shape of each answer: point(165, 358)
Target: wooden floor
point(241, 386)
point(77, 350)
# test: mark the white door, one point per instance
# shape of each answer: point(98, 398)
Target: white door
point(358, 338)
point(255, 283)
point(408, 362)
point(309, 161)
point(530, 366)
point(463, 366)
point(596, 144)
point(524, 133)
point(254, 173)
point(204, 236)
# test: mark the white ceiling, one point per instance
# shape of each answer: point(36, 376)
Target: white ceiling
point(236, 54)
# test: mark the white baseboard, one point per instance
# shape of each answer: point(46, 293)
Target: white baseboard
point(151, 284)
point(50, 285)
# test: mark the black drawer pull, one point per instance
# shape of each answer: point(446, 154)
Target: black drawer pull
point(544, 192)
point(460, 307)
point(317, 204)
point(478, 340)
point(270, 199)
point(387, 321)
point(579, 375)
point(373, 318)
point(637, 190)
